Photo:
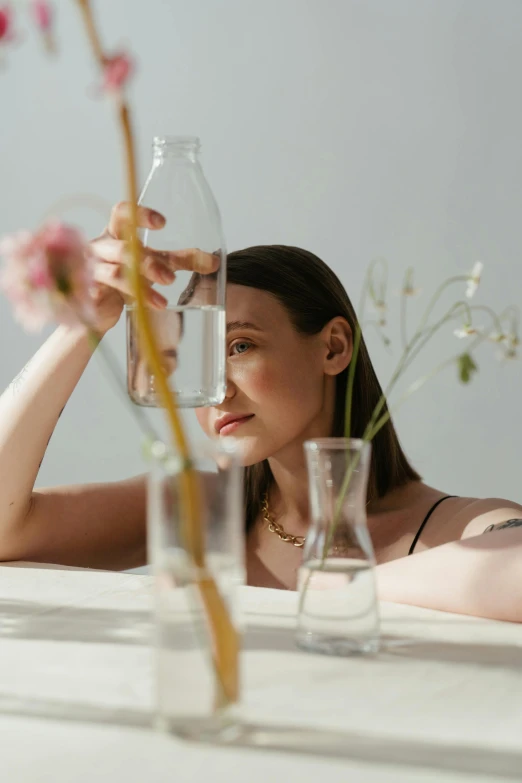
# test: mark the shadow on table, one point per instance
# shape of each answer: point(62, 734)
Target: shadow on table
point(494, 655)
point(28, 620)
point(383, 750)
point(25, 620)
point(309, 741)
point(510, 656)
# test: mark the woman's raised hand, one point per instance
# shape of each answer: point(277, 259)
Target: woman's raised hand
point(111, 250)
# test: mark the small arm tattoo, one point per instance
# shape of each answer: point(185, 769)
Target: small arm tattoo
point(16, 384)
point(503, 525)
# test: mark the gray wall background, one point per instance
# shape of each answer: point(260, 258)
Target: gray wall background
point(354, 128)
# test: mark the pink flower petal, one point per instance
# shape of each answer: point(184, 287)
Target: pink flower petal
point(39, 274)
point(48, 275)
point(43, 14)
point(116, 72)
point(6, 23)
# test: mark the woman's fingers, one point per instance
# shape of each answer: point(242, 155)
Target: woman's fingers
point(109, 249)
point(195, 260)
point(115, 276)
point(192, 260)
point(120, 217)
point(156, 265)
point(156, 269)
point(115, 251)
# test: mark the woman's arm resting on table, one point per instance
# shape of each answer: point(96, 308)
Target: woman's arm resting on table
point(92, 526)
point(479, 576)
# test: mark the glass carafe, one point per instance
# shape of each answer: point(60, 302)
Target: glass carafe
point(338, 609)
point(191, 330)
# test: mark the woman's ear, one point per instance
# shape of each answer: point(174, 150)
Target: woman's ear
point(338, 340)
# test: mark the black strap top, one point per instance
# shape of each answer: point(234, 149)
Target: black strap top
point(428, 515)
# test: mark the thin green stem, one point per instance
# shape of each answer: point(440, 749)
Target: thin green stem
point(436, 296)
point(403, 359)
point(368, 288)
point(497, 320)
point(451, 313)
point(404, 331)
point(419, 383)
point(407, 284)
point(351, 380)
point(110, 362)
point(369, 283)
point(380, 333)
point(430, 332)
point(339, 504)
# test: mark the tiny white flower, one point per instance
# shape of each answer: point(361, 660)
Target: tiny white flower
point(408, 288)
point(474, 279)
point(497, 337)
point(411, 291)
point(466, 331)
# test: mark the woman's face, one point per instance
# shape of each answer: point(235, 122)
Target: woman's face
point(167, 327)
point(278, 393)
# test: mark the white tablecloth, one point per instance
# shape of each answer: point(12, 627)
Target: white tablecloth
point(442, 702)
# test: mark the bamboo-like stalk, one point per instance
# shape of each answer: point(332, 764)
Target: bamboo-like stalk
point(224, 637)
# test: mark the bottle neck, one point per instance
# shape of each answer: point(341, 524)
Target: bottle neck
point(180, 147)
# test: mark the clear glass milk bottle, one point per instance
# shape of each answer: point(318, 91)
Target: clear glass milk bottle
point(191, 330)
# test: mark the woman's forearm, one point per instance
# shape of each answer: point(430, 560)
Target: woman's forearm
point(29, 410)
point(479, 576)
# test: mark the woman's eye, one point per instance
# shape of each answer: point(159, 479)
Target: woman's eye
point(240, 347)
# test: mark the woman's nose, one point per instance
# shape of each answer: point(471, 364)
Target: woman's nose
point(230, 389)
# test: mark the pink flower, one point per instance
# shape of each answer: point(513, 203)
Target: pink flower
point(43, 14)
point(116, 72)
point(6, 24)
point(48, 276)
point(44, 17)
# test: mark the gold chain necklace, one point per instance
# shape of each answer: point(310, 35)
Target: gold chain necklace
point(278, 529)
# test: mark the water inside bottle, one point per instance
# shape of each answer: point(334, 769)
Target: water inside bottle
point(192, 346)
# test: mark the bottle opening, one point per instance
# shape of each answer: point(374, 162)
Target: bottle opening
point(176, 145)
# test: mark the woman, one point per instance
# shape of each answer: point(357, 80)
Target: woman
point(289, 344)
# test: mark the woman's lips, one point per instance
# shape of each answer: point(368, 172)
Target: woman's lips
point(231, 426)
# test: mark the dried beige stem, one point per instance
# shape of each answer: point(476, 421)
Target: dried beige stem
point(225, 639)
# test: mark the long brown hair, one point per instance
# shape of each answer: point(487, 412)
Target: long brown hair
point(312, 295)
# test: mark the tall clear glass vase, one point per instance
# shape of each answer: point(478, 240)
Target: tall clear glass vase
point(338, 608)
point(197, 622)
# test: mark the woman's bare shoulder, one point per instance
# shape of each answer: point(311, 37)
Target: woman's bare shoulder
point(482, 515)
point(463, 517)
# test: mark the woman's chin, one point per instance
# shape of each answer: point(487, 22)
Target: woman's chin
point(250, 450)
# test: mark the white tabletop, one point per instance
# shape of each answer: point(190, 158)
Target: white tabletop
point(442, 702)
